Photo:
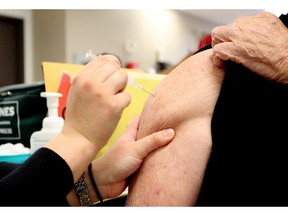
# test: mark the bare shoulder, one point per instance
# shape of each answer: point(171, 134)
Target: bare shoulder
point(189, 91)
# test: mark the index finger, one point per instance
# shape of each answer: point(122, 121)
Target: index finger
point(216, 35)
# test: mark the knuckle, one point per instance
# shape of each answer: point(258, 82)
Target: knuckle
point(123, 74)
point(214, 32)
point(111, 59)
point(114, 59)
point(155, 138)
point(89, 85)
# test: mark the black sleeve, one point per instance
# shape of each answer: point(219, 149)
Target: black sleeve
point(44, 179)
point(248, 163)
point(6, 168)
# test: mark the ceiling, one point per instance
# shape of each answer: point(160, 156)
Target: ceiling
point(219, 16)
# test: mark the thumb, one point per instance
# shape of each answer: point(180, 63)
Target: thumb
point(154, 141)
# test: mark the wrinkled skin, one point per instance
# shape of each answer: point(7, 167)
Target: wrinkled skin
point(258, 42)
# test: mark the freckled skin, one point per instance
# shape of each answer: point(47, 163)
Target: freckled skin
point(184, 100)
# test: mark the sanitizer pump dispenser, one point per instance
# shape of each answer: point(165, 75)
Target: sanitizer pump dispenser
point(51, 125)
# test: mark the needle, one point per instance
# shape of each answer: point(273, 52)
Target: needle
point(131, 81)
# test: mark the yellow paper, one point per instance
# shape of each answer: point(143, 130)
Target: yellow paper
point(56, 74)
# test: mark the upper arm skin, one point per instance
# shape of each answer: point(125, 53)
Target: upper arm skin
point(184, 101)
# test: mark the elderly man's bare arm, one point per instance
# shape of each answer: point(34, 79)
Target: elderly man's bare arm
point(185, 101)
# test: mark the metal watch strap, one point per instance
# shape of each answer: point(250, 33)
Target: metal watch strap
point(82, 191)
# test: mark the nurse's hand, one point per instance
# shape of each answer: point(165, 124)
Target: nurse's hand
point(96, 100)
point(112, 170)
point(258, 42)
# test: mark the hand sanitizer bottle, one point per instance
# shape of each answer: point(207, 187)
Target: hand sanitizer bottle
point(51, 125)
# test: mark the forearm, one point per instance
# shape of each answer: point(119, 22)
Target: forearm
point(6, 168)
point(77, 154)
point(24, 185)
point(77, 151)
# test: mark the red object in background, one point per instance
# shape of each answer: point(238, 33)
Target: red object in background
point(206, 40)
point(132, 65)
point(63, 88)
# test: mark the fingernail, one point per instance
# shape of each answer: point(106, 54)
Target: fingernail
point(168, 132)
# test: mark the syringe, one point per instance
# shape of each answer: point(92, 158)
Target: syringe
point(131, 81)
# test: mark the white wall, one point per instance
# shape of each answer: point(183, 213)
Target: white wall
point(174, 33)
point(49, 38)
point(26, 15)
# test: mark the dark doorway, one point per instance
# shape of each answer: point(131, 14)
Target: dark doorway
point(11, 51)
